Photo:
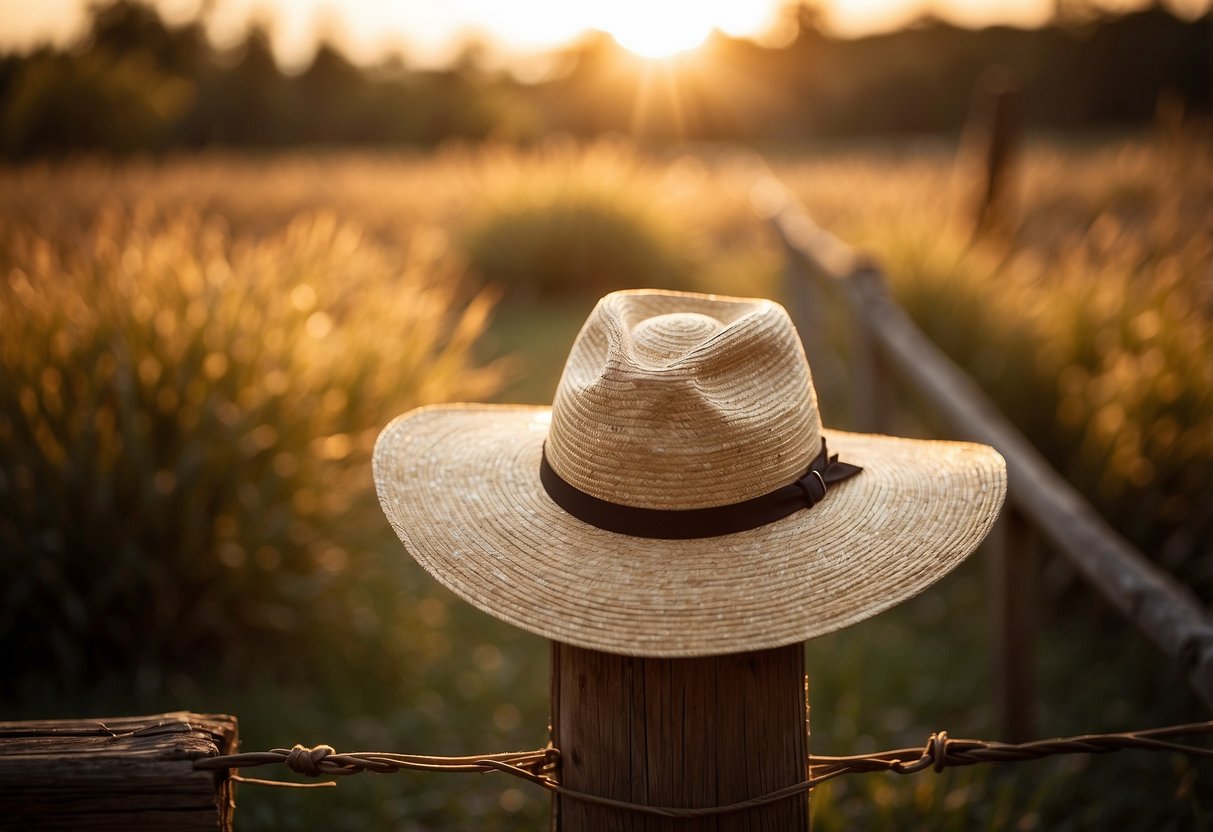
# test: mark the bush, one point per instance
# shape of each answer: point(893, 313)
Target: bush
point(186, 421)
point(568, 222)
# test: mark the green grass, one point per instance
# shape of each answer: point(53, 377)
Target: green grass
point(466, 683)
point(925, 666)
point(536, 336)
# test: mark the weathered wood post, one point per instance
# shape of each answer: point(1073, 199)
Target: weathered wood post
point(696, 732)
point(123, 773)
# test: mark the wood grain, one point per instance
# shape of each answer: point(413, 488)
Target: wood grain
point(679, 732)
point(116, 773)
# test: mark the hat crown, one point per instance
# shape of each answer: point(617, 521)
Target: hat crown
point(675, 400)
point(669, 337)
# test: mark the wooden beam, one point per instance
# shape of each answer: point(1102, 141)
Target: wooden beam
point(134, 772)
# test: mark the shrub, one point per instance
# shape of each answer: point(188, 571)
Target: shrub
point(567, 222)
point(186, 420)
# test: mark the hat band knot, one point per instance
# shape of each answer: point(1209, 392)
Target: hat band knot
point(683, 524)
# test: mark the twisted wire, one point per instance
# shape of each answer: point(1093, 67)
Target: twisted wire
point(325, 761)
point(541, 766)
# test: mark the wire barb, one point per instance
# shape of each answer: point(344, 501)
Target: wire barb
point(542, 766)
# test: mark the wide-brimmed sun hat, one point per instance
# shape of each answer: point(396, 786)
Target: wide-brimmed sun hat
point(680, 497)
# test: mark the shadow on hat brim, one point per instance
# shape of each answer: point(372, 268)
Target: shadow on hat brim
point(460, 486)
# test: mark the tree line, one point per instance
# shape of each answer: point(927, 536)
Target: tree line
point(138, 83)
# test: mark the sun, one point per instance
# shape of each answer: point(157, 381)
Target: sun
point(656, 29)
point(660, 43)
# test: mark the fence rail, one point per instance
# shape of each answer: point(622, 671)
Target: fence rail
point(887, 342)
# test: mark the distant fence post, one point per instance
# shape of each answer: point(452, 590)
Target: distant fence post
point(995, 126)
point(695, 732)
point(871, 384)
point(808, 307)
point(132, 773)
point(1012, 571)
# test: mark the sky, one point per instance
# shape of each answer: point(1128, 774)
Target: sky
point(433, 31)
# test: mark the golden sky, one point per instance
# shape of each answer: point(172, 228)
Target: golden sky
point(431, 31)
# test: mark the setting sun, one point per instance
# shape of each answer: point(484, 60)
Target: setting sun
point(659, 42)
point(659, 30)
point(429, 33)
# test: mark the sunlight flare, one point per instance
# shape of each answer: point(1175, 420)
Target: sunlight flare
point(663, 29)
point(657, 36)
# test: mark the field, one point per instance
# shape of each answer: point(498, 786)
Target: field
point(198, 352)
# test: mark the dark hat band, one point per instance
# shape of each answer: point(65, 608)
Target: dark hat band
point(684, 524)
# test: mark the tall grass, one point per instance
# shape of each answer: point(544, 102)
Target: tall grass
point(186, 420)
point(1090, 326)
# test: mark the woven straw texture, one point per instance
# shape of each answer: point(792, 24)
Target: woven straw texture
point(678, 401)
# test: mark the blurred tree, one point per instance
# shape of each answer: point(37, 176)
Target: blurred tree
point(125, 28)
point(332, 91)
point(247, 102)
point(56, 103)
point(136, 82)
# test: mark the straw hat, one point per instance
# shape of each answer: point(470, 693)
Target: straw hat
point(679, 416)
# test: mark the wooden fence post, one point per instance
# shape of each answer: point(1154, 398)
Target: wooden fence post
point(871, 384)
point(808, 308)
point(134, 772)
point(996, 121)
point(1012, 571)
point(694, 732)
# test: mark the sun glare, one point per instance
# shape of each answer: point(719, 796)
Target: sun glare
point(651, 41)
point(661, 28)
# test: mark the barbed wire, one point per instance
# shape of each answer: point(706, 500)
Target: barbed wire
point(325, 761)
point(541, 766)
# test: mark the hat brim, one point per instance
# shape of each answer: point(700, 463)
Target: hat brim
point(460, 486)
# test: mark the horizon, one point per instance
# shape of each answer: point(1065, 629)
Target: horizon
point(427, 35)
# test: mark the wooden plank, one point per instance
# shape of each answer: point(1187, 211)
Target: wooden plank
point(694, 732)
point(1159, 606)
point(116, 773)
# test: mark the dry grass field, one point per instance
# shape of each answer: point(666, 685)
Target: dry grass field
point(196, 354)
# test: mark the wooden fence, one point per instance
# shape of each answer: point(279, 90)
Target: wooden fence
point(888, 347)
